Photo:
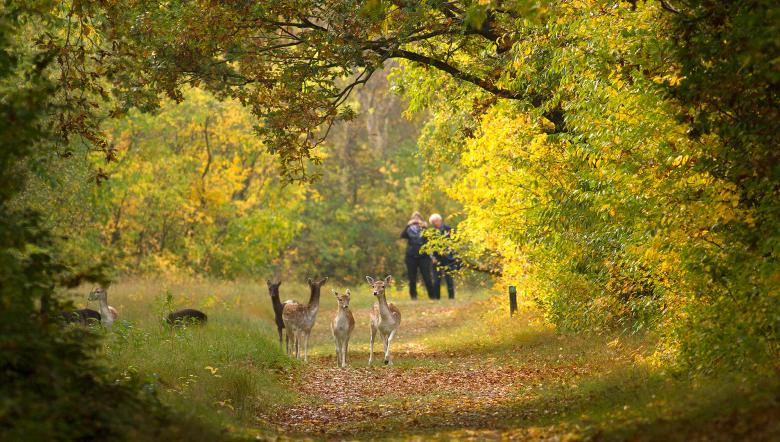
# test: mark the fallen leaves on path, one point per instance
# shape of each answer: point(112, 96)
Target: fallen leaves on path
point(470, 391)
point(429, 389)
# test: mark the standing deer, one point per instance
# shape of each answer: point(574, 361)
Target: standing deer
point(385, 318)
point(342, 326)
point(273, 290)
point(299, 319)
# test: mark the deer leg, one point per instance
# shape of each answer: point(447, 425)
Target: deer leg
point(346, 350)
point(338, 353)
point(279, 329)
point(387, 350)
point(306, 347)
point(371, 346)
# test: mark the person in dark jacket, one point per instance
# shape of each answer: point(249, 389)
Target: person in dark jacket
point(413, 234)
point(444, 264)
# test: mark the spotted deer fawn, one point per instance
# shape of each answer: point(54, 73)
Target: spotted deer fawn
point(299, 319)
point(342, 326)
point(385, 318)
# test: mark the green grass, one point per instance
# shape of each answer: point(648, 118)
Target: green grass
point(224, 373)
point(231, 372)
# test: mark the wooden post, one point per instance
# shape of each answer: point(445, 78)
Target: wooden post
point(512, 300)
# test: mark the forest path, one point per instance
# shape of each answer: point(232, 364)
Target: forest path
point(431, 390)
point(464, 371)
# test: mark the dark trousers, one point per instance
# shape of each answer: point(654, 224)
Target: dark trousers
point(443, 271)
point(423, 264)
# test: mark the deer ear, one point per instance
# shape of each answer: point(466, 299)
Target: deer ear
point(268, 281)
point(387, 280)
point(279, 283)
point(348, 293)
point(370, 280)
point(309, 281)
point(323, 281)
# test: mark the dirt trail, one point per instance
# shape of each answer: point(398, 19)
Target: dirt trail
point(424, 390)
point(512, 380)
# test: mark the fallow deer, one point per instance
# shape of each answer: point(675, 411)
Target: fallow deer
point(342, 326)
point(186, 315)
point(101, 296)
point(273, 290)
point(299, 319)
point(87, 316)
point(385, 318)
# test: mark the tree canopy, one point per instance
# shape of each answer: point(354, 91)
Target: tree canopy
point(616, 160)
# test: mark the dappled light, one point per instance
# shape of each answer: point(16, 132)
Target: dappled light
point(439, 220)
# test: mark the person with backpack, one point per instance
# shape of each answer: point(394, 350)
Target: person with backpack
point(416, 261)
point(444, 263)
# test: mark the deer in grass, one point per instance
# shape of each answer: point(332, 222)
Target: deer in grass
point(342, 326)
point(86, 316)
point(385, 318)
point(273, 290)
point(299, 319)
point(101, 296)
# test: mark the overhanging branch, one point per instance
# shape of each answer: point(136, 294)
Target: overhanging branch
point(456, 73)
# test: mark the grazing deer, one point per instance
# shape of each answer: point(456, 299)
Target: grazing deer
point(299, 319)
point(385, 318)
point(342, 326)
point(273, 290)
point(187, 315)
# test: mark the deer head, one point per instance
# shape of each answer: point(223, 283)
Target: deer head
point(98, 294)
point(273, 288)
point(317, 283)
point(343, 299)
point(378, 286)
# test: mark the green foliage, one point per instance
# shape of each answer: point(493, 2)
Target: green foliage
point(615, 160)
point(622, 190)
point(53, 385)
point(194, 190)
point(370, 182)
point(223, 374)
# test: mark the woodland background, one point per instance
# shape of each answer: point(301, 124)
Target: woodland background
point(617, 161)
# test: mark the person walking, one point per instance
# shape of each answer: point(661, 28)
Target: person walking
point(413, 234)
point(444, 264)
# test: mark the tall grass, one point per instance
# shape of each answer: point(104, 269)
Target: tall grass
point(228, 371)
point(225, 372)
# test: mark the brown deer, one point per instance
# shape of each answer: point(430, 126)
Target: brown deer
point(385, 318)
point(273, 290)
point(342, 326)
point(299, 319)
point(86, 316)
